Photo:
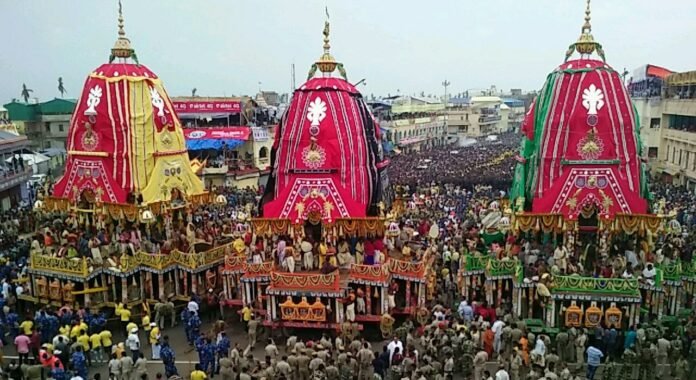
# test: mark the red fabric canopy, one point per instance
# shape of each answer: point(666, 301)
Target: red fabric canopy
point(324, 155)
point(588, 146)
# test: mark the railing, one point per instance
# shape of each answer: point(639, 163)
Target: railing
point(672, 271)
point(370, 272)
point(158, 261)
point(14, 179)
point(76, 267)
point(305, 281)
point(475, 263)
point(492, 267)
point(489, 119)
point(609, 286)
point(199, 259)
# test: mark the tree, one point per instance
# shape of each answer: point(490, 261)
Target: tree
point(26, 93)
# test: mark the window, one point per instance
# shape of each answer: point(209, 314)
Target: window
point(667, 154)
point(655, 122)
point(263, 153)
point(680, 157)
point(652, 152)
point(47, 126)
point(60, 128)
point(674, 154)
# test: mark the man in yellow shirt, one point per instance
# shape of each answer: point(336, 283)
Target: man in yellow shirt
point(106, 342)
point(125, 315)
point(27, 327)
point(75, 331)
point(83, 340)
point(154, 341)
point(97, 352)
point(198, 374)
point(130, 326)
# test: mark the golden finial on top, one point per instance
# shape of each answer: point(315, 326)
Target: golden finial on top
point(326, 63)
point(121, 32)
point(586, 43)
point(587, 27)
point(122, 47)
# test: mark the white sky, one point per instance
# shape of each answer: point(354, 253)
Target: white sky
point(225, 47)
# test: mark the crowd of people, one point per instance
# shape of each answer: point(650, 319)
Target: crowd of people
point(454, 196)
point(484, 163)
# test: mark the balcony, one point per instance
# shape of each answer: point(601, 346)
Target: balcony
point(12, 180)
point(489, 119)
point(681, 136)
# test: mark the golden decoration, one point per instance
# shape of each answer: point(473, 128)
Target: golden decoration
point(328, 207)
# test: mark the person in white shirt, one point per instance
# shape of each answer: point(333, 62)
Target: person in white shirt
point(133, 342)
point(502, 374)
point(497, 329)
point(192, 306)
point(392, 345)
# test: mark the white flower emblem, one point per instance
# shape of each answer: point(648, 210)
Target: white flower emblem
point(317, 111)
point(93, 100)
point(592, 99)
point(157, 101)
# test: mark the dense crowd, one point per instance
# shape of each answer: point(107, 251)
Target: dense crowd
point(450, 206)
point(484, 163)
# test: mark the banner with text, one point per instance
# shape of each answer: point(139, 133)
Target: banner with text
point(225, 133)
point(207, 106)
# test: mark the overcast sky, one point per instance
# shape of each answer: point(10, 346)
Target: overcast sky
point(228, 47)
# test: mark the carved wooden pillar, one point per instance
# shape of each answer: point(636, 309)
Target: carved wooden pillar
point(160, 286)
point(124, 289)
point(408, 295)
point(368, 299)
point(194, 283)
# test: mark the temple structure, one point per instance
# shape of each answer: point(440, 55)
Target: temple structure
point(327, 164)
point(327, 186)
point(125, 141)
point(580, 183)
point(128, 166)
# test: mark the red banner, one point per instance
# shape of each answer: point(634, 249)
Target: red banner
point(226, 133)
point(207, 106)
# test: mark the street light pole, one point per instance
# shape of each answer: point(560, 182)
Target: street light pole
point(445, 84)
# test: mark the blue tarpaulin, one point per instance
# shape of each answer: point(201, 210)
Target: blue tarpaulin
point(203, 144)
point(387, 146)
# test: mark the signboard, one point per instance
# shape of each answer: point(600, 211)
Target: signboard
point(225, 133)
point(205, 106)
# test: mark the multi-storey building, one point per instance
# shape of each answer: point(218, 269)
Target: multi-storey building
point(14, 172)
point(666, 104)
point(413, 124)
point(479, 116)
point(45, 124)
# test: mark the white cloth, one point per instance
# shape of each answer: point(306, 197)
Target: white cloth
point(133, 342)
point(502, 375)
point(192, 306)
point(392, 346)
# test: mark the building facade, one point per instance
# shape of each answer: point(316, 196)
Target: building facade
point(667, 112)
point(412, 124)
point(14, 172)
point(479, 116)
point(45, 124)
